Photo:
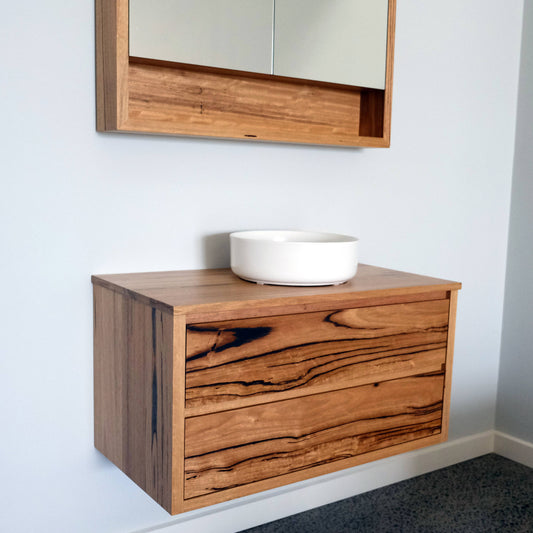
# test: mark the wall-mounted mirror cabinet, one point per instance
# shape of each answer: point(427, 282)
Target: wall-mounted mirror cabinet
point(307, 71)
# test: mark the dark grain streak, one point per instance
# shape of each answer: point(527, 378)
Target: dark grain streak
point(241, 336)
point(154, 378)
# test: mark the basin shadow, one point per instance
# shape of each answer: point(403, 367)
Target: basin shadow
point(216, 250)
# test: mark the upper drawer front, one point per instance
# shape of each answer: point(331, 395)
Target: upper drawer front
point(234, 448)
point(244, 362)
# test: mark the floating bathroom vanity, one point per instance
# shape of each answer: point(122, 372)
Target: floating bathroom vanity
point(208, 387)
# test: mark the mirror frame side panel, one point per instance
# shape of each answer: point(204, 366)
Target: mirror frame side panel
point(391, 32)
point(376, 106)
point(112, 62)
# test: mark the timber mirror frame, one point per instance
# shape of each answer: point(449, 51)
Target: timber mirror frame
point(149, 96)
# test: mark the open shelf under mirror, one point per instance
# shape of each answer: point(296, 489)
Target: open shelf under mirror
point(150, 96)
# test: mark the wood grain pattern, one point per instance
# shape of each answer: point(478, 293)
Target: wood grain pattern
point(133, 359)
point(233, 448)
point(136, 95)
point(208, 294)
point(308, 473)
point(187, 101)
point(236, 363)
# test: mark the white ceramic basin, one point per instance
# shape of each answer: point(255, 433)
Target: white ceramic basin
point(293, 257)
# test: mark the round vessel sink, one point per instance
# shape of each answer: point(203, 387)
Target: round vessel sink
point(293, 257)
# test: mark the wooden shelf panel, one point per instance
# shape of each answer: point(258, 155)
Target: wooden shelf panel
point(193, 101)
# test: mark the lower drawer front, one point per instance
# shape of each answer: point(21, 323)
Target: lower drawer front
point(234, 448)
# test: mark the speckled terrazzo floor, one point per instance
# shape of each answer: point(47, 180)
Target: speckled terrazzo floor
point(485, 495)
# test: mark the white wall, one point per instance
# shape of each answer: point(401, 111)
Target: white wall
point(75, 202)
point(515, 394)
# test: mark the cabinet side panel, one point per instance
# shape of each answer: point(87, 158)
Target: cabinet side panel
point(149, 400)
point(178, 408)
point(449, 363)
point(133, 352)
point(109, 377)
point(372, 113)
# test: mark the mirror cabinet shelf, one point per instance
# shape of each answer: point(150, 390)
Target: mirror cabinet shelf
point(271, 70)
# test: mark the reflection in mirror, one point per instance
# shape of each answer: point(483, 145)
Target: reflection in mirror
point(339, 41)
point(233, 34)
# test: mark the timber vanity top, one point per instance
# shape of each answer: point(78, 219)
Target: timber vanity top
point(208, 387)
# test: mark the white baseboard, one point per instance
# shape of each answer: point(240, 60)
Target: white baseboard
point(278, 503)
point(518, 450)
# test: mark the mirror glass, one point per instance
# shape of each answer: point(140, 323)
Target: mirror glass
point(233, 34)
point(340, 41)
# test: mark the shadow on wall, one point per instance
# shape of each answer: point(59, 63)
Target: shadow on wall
point(216, 250)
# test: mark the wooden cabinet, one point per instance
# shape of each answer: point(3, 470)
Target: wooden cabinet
point(208, 388)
